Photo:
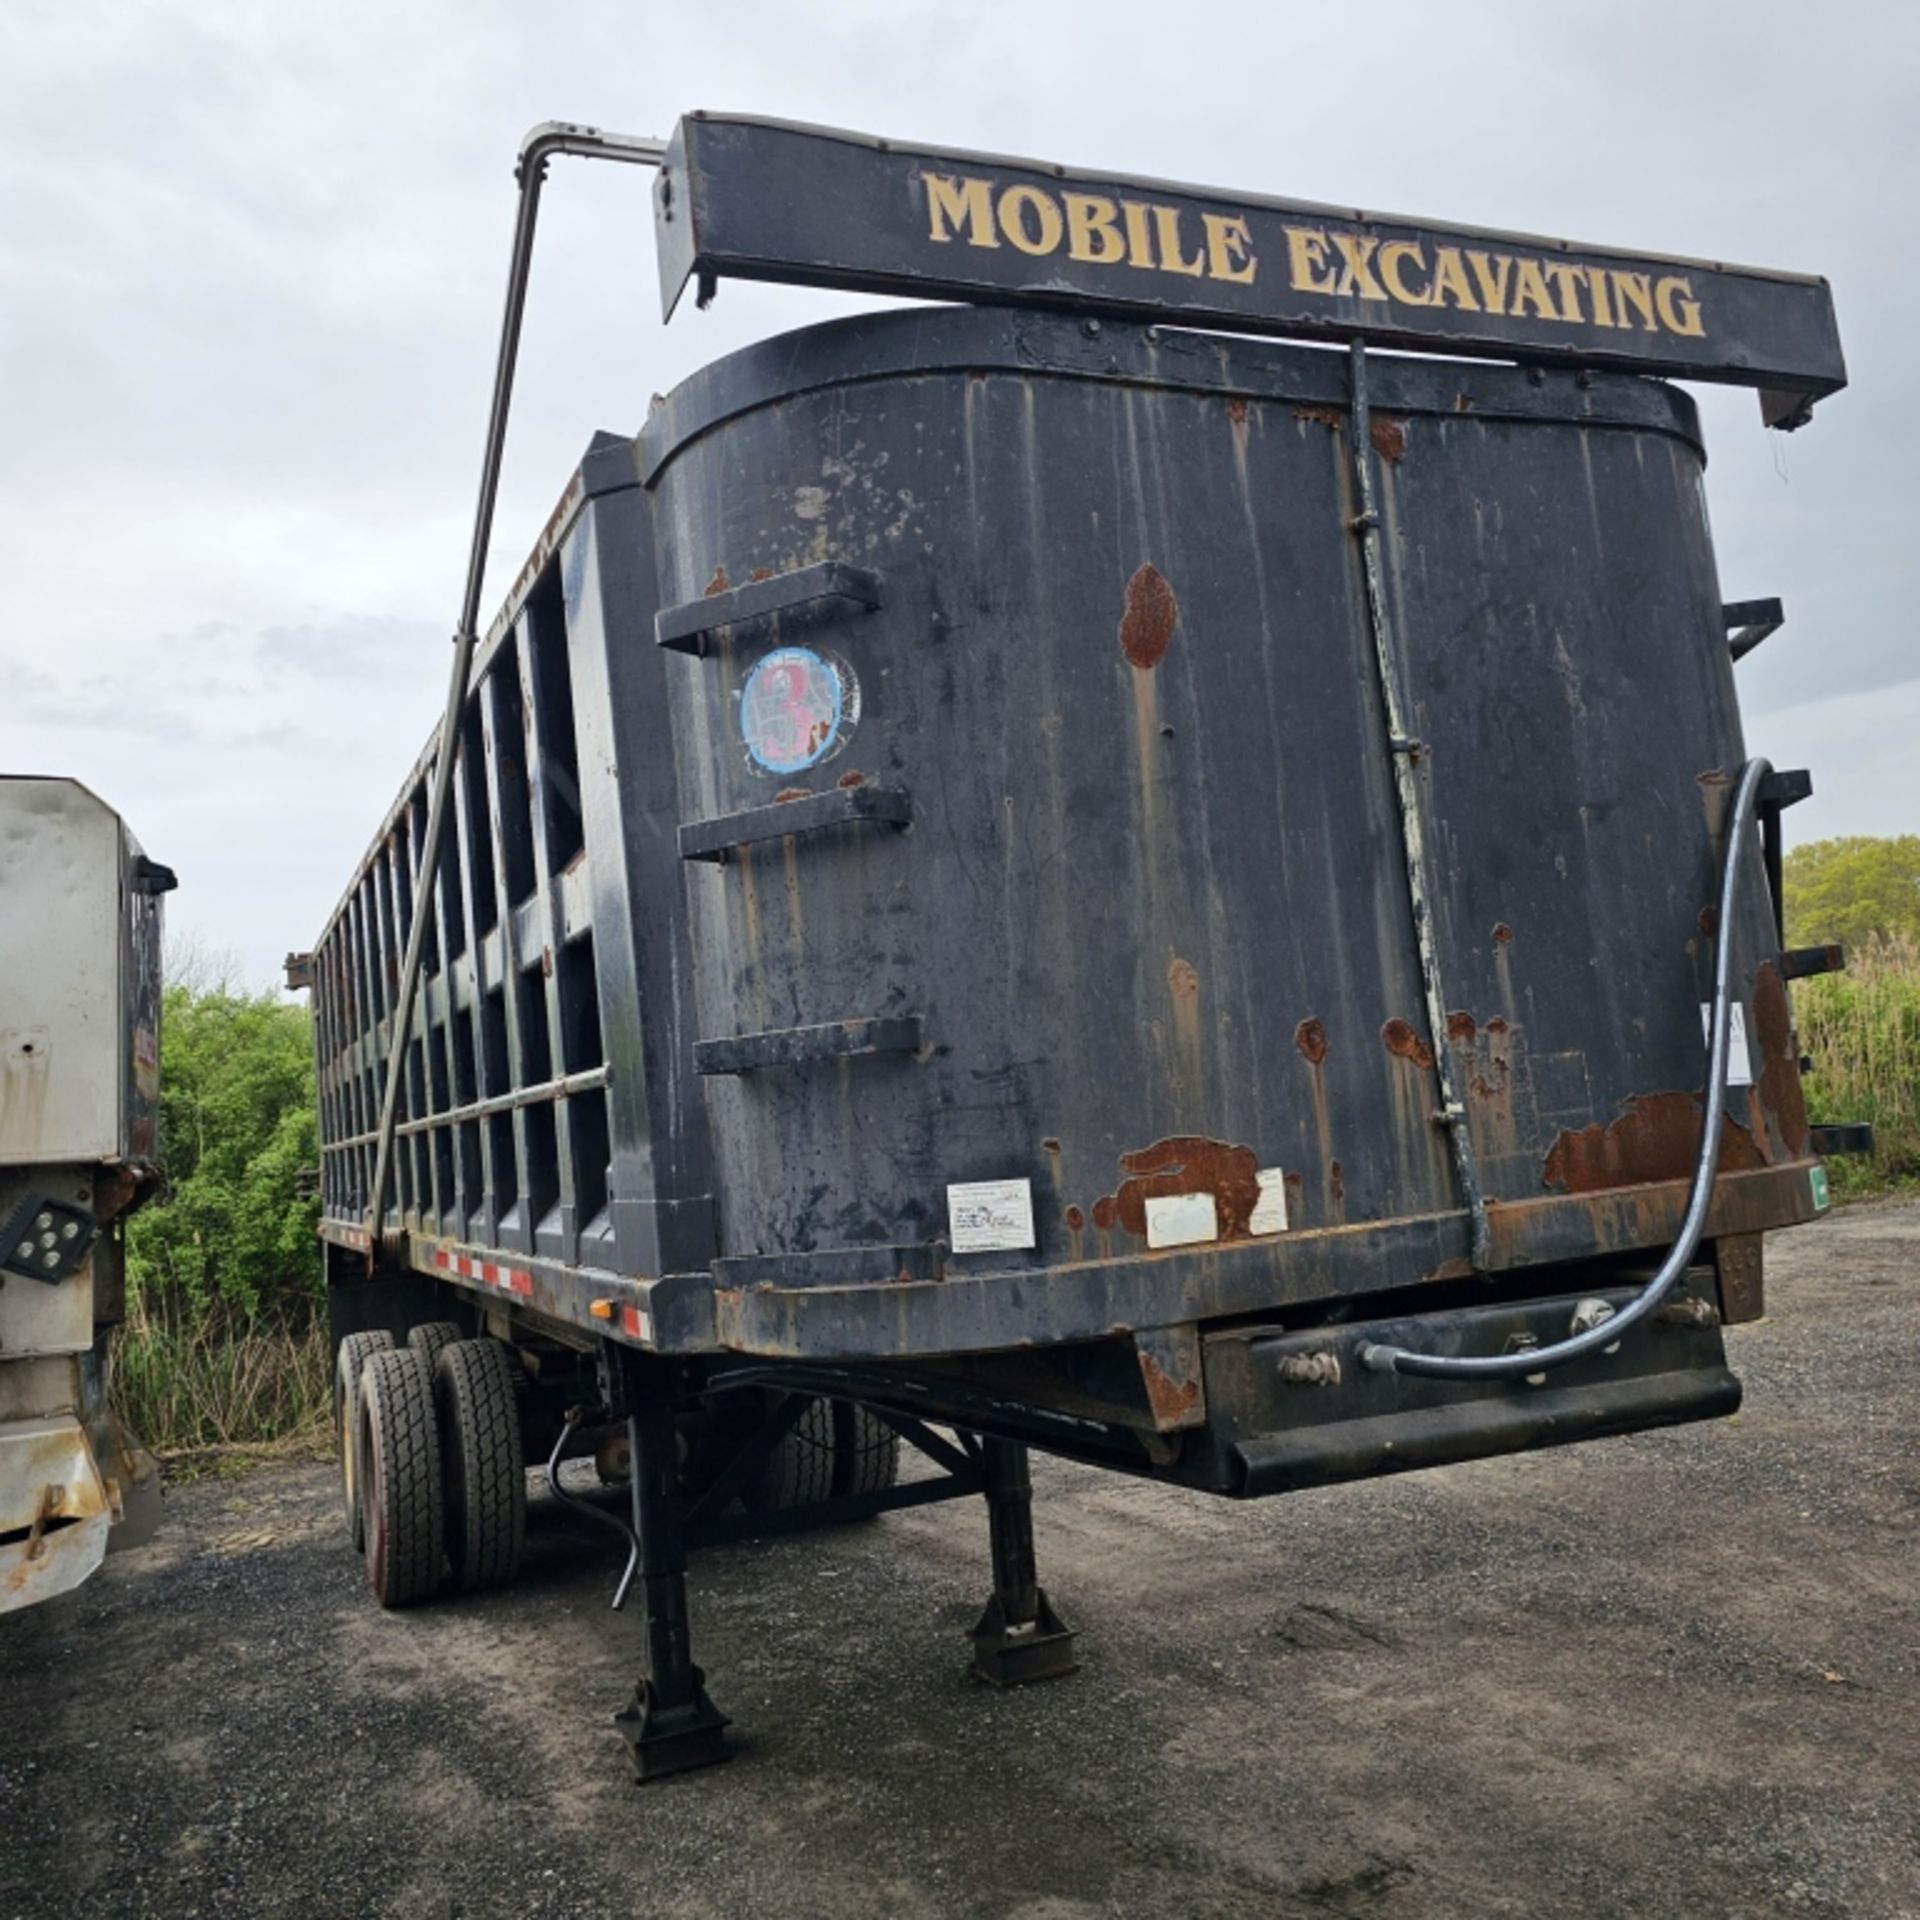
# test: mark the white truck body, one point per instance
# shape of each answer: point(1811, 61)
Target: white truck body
point(79, 1090)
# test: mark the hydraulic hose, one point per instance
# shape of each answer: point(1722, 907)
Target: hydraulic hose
point(1506, 1366)
point(592, 1512)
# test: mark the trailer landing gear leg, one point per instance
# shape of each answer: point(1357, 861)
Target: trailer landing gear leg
point(670, 1726)
point(1020, 1637)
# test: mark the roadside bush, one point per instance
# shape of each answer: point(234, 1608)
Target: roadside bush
point(1861, 1029)
point(236, 1126)
point(224, 1343)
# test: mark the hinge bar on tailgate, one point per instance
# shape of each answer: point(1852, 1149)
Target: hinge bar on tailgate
point(1402, 750)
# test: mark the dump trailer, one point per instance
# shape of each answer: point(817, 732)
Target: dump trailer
point(1107, 867)
point(80, 910)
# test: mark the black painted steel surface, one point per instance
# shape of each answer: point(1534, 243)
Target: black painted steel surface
point(946, 751)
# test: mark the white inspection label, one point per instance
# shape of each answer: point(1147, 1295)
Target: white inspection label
point(1270, 1210)
point(1739, 1054)
point(989, 1216)
point(1181, 1219)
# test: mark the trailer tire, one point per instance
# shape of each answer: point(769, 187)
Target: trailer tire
point(429, 1337)
point(800, 1470)
point(348, 1360)
point(868, 1451)
point(400, 1476)
point(485, 1470)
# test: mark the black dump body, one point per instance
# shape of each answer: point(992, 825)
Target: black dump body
point(929, 915)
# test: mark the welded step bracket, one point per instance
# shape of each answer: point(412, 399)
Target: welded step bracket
point(715, 839)
point(801, 1046)
point(1748, 622)
point(690, 626)
point(1403, 751)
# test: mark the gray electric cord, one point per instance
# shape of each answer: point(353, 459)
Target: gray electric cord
point(1506, 1366)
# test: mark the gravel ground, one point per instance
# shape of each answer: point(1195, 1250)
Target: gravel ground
point(1677, 1674)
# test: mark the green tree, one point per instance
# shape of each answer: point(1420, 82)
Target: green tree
point(1850, 890)
point(236, 1126)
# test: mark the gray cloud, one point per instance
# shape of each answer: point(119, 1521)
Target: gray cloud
point(249, 283)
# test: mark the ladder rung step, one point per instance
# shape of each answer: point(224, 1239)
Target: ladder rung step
point(715, 839)
point(800, 1046)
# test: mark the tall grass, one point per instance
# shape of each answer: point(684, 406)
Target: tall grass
point(1862, 1031)
point(187, 1380)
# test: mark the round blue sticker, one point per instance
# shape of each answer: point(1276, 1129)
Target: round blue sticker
point(791, 710)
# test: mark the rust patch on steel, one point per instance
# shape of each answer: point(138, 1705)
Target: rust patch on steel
point(1401, 1039)
point(1655, 1138)
point(1049, 1145)
point(1170, 1399)
point(1076, 1219)
point(1389, 437)
point(719, 583)
point(761, 573)
point(786, 794)
point(1461, 1029)
point(1184, 1163)
point(1323, 416)
point(1779, 1089)
point(1237, 411)
point(1496, 1025)
point(1182, 981)
point(1502, 933)
point(1337, 1179)
point(1709, 921)
point(1311, 1038)
point(851, 780)
point(1146, 628)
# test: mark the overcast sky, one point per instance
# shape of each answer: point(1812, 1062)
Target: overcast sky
point(250, 271)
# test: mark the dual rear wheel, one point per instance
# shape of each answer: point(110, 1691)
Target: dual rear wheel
point(435, 1480)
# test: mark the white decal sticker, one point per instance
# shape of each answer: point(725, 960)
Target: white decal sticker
point(1739, 1054)
point(1269, 1213)
point(988, 1216)
point(1181, 1219)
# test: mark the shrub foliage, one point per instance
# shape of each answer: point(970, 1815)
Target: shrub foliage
point(230, 1234)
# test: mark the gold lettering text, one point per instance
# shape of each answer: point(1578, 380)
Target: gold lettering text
point(1680, 312)
point(954, 203)
point(1356, 276)
point(1392, 255)
point(1229, 246)
point(1166, 225)
point(1568, 280)
point(1492, 274)
point(1450, 277)
point(1633, 290)
point(1093, 231)
point(1307, 260)
point(1016, 205)
point(1529, 288)
point(1602, 310)
point(1139, 241)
